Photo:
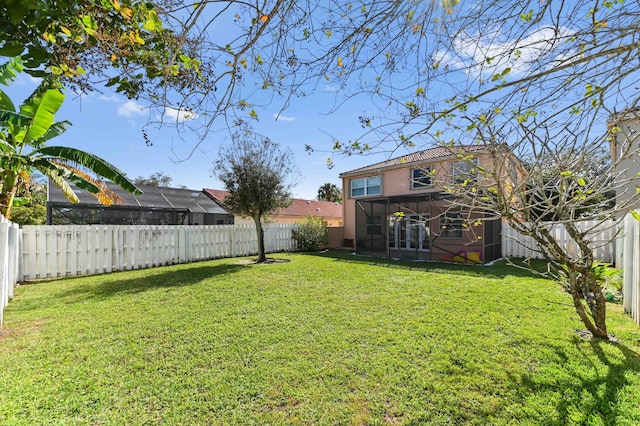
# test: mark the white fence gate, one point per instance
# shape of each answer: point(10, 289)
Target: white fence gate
point(9, 261)
point(522, 246)
point(70, 250)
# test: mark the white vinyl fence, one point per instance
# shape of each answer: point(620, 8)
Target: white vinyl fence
point(9, 261)
point(71, 250)
point(629, 252)
point(521, 246)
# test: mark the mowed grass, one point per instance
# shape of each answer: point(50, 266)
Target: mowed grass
point(316, 339)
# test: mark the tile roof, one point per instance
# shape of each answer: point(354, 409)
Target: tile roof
point(298, 207)
point(418, 157)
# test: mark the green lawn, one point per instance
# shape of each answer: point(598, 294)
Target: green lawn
point(317, 339)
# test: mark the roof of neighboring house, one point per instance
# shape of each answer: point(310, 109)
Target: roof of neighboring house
point(151, 197)
point(439, 152)
point(298, 208)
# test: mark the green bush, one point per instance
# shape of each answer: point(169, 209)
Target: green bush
point(29, 215)
point(311, 234)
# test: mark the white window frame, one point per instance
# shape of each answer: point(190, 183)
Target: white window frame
point(464, 170)
point(368, 185)
point(425, 172)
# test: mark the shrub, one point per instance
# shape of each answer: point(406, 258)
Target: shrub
point(311, 234)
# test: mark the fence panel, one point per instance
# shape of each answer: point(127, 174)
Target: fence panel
point(521, 246)
point(68, 250)
point(630, 253)
point(10, 245)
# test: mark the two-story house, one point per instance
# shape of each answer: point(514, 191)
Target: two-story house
point(394, 209)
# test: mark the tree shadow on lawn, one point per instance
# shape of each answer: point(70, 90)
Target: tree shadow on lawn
point(597, 394)
point(150, 279)
point(501, 269)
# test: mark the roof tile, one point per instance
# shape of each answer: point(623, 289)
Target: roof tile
point(298, 208)
point(418, 157)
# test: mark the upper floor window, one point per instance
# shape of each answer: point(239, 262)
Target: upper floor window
point(465, 171)
point(366, 186)
point(421, 178)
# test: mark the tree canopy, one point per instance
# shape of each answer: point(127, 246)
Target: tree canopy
point(120, 43)
point(330, 192)
point(258, 175)
point(156, 179)
point(427, 71)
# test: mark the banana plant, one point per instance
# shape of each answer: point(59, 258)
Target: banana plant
point(24, 131)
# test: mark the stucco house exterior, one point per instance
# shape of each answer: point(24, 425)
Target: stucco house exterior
point(299, 209)
point(394, 209)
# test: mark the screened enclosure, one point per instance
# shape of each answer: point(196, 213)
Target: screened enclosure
point(155, 206)
point(425, 227)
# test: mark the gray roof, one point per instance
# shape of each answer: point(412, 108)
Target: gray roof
point(153, 197)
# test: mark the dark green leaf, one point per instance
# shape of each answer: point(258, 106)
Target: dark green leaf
point(92, 162)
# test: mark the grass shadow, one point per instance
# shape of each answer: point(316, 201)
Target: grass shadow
point(500, 269)
point(150, 279)
point(595, 393)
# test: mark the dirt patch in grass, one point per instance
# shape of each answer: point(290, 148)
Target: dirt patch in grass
point(4, 332)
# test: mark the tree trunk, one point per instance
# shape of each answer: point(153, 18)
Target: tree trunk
point(262, 257)
point(584, 288)
point(9, 200)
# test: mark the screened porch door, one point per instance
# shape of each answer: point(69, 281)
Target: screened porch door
point(410, 233)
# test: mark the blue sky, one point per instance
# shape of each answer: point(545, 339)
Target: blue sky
point(110, 126)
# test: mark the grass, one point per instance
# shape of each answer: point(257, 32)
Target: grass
point(315, 339)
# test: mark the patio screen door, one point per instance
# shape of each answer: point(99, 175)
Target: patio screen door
point(411, 232)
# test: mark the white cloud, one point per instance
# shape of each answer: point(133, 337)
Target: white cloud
point(280, 117)
point(471, 51)
point(131, 109)
point(179, 115)
point(111, 98)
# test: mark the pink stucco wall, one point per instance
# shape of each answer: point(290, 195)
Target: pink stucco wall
point(396, 181)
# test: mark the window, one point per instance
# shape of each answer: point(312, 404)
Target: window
point(421, 178)
point(451, 225)
point(366, 186)
point(464, 171)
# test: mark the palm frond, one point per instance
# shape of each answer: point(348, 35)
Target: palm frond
point(56, 129)
point(5, 102)
point(9, 70)
point(13, 121)
point(105, 196)
point(65, 172)
point(61, 183)
point(43, 110)
point(91, 162)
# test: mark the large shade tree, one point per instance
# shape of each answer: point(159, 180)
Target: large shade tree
point(258, 174)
